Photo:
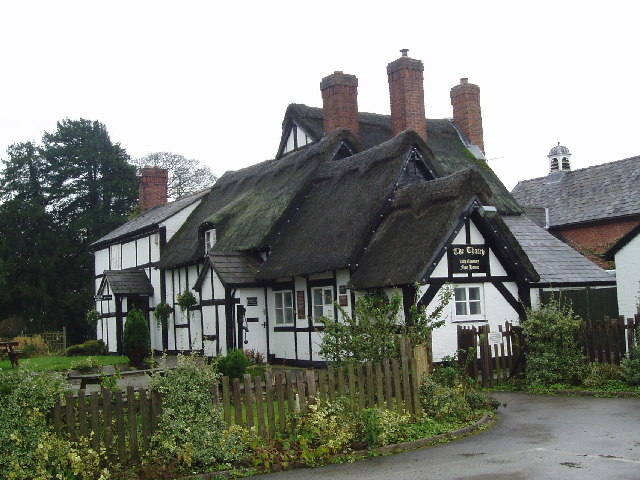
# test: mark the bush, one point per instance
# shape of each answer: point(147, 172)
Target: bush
point(379, 426)
point(630, 364)
point(89, 364)
point(137, 343)
point(32, 346)
point(255, 357)
point(234, 365)
point(601, 375)
point(192, 429)
point(553, 353)
point(442, 402)
point(30, 449)
point(90, 347)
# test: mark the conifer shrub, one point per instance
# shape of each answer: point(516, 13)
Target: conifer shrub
point(234, 365)
point(137, 344)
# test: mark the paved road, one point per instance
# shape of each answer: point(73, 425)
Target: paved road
point(537, 437)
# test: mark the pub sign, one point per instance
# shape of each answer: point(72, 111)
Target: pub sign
point(469, 258)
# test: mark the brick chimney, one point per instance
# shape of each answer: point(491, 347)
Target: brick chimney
point(465, 99)
point(340, 102)
point(406, 92)
point(153, 187)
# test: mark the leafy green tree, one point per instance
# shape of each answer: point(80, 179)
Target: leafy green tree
point(371, 334)
point(185, 174)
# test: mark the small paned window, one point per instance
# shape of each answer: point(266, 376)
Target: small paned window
point(468, 301)
point(284, 307)
point(209, 239)
point(322, 302)
point(116, 259)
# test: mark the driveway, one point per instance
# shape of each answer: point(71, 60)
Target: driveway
point(537, 437)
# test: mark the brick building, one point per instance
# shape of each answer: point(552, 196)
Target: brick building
point(590, 208)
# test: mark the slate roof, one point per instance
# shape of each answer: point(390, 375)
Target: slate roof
point(149, 219)
point(555, 261)
point(127, 282)
point(235, 269)
point(607, 191)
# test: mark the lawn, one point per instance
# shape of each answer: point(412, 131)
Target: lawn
point(58, 363)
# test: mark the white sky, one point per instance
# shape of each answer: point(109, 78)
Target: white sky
point(211, 80)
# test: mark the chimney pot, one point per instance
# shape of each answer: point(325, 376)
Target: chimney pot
point(464, 80)
point(404, 52)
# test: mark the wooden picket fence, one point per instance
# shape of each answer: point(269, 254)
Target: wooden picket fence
point(123, 422)
point(608, 340)
point(500, 356)
point(496, 356)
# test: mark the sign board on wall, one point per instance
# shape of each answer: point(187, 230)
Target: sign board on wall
point(301, 309)
point(469, 258)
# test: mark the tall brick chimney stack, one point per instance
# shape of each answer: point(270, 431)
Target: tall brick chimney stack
point(465, 99)
point(340, 102)
point(153, 187)
point(406, 93)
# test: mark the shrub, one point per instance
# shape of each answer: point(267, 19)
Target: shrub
point(234, 365)
point(255, 357)
point(599, 375)
point(442, 402)
point(192, 429)
point(90, 347)
point(137, 343)
point(88, 364)
point(379, 426)
point(630, 364)
point(32, 346)
point(553, 353)
point(371, 333)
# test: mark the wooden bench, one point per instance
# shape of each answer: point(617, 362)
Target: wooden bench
point(6, 348)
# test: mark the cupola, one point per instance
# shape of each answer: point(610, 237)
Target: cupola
point(559, 159)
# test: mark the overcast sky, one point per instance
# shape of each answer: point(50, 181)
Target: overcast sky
point(211, 80)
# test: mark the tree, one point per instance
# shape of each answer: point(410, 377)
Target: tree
point(185, 175)
point(56, 199)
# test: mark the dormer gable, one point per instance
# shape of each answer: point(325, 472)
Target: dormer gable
point(295, 138)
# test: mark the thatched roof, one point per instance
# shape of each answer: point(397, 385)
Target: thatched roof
point(443, 140)
point(339, 212)
point(247, 206)
point(423, 217)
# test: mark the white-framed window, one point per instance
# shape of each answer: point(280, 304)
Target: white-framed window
point(322, 302)
point(284, 307)
point(116, 259)
point(468, 302)
point(209, 239)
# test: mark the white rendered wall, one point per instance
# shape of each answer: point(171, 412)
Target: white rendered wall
point(496, 311)
point(628, 277)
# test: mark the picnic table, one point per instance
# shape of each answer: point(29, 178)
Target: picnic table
point(6, 348)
